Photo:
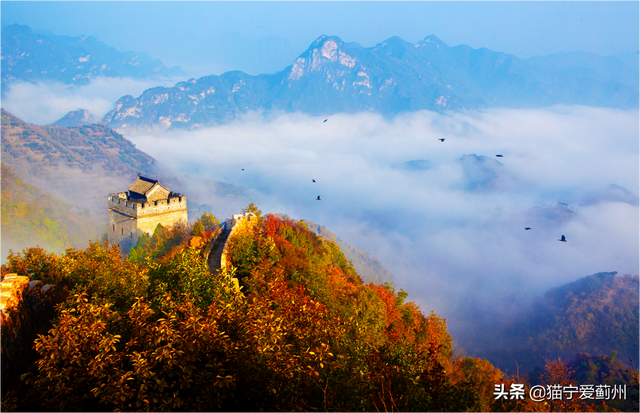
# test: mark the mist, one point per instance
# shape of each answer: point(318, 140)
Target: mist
point(43, 103)
point(447, 218)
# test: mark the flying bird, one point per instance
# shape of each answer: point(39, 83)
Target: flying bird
point(441, 139)
point(318, 198)
point(325, 121)
point(243, 169)
point(527, 228)
point(563, 239)
point(313, 180)
point(499, 156)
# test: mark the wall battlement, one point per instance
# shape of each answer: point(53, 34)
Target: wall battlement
point(136, 208)
point(27, 308)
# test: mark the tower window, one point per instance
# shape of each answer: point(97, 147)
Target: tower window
point(121, 231)
point(114, 228)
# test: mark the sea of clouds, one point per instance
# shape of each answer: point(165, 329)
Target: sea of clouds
point(44, 103)
point(447, 218)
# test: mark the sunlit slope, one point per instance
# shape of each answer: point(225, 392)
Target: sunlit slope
point(32, 217)
point(369, 268)
point(304, 333)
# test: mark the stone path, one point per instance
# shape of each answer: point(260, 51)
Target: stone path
point(216, 249)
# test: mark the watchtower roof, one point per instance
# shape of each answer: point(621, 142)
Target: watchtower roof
point(143, 186)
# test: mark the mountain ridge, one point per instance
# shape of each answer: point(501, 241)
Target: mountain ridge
point(389, 78)
point(29, 55)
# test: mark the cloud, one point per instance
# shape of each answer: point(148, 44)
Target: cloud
point(46, 102)
point(447, 218)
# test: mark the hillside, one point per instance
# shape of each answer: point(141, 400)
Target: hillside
point(597, 315)
point(394, 76)
point(369, 268)
point(81, 165)
point(32, 217)
point(29, 56)
point(303, 332)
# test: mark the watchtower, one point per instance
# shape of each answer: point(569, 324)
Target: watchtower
point(139, 211)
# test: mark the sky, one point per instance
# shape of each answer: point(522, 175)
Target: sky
point(207, 37)
point(447, 218)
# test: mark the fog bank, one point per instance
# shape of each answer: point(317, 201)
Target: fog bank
point(447, 218)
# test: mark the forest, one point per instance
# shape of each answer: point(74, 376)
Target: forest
point(288, 326)
point(31, 216)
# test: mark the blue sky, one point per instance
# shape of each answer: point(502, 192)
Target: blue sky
point(203, 36)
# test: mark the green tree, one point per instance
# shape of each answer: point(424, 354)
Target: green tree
point(253, 209)
point(209, 220)
point(198, 229)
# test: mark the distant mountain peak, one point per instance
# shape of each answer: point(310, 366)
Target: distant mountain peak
point(324, 50)
point(75, 118)
point(432, 42)
point(29, 55)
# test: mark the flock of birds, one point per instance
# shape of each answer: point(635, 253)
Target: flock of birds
point(561, 239)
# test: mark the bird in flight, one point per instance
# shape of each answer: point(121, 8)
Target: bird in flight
point(243, 169)
point(441, 139)
point(527, 228)
point(325, 121)
point(318, 198)
point(499, 156)
point(313, 180)
point(563, 239)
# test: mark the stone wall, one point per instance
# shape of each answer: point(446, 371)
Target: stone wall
point(26, 310)
point(148, 224)
point(120, 227)
point(237, 224)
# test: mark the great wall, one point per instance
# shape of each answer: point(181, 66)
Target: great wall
point(26, 310)
point(27, 307)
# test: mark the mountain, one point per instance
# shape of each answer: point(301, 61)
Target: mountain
point(394, 76)
point(29, 56)
point(81, 165)
point(303, 333)
point(597, 314)
point(78, 117)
